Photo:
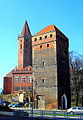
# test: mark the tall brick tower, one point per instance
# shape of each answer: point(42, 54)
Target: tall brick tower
point(51, 68)
point(19, 79)
point(25, 47)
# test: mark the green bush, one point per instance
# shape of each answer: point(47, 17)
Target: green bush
point(26, 105)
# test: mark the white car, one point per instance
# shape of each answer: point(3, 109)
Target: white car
point(73, 110)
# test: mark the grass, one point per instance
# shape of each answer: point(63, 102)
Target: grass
point(49, 114)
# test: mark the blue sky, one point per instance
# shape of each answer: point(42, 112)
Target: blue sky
point(67, 15)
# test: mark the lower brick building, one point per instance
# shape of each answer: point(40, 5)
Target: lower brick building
point(18, 80)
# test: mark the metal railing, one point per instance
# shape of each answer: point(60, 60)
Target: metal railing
point(44, 114)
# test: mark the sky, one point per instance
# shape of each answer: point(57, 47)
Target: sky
point(67, 15)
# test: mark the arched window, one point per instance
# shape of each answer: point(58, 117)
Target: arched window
point(43, 63)
point(47, 45)
point(20, 46)
point(40, 46)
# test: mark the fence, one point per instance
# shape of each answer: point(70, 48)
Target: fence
point(45, 115)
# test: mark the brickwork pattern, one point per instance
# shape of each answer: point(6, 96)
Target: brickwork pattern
point(45, 69)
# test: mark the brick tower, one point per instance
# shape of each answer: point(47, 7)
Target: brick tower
point(20, 78)
point(47, 53)
point(25, 47)
point(51, 68)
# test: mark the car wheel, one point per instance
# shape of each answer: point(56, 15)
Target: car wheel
point(72, 112)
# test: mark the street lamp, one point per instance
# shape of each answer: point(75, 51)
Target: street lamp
point(31, 81)
point(33, 91)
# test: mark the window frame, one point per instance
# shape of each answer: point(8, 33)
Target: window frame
point(23, 79)
point(23, 87)
point(35, 39)
point(21, 46)
point(40, 46)
point(48, 45)
point(16, 79)
point(16, 88)
point(51, 35)
point(30, 79)
point(43, 80)
point(40, 38)
point(45, 36)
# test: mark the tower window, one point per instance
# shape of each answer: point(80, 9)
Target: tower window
point(20, 52)
point(26, 45)
point(40, 46)
point(20, 40)
point(43, 81)
point(60, 37)
point(50, 35)
point(40, 38)
point(20, 46)
point(26, 52)
point(30, 69)
point(47, 45)
point(35, 39)
point(57, 37)
point(45, 37)
point(43, 63)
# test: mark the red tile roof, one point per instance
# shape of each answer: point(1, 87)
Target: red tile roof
point(48, 29)
point(25, 30)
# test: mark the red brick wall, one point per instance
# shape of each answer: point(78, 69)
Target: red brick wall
point(20, 84)
point(7, 85)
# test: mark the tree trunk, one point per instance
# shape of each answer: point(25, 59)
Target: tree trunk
point(77, 98)
point(82, 97)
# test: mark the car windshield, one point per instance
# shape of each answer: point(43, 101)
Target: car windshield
point(79, 108)
point(74, 108)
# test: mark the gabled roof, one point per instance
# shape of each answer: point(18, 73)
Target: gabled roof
point(25, 30)
point(48, 29)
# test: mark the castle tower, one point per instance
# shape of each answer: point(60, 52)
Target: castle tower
point(24, 47)
point(51, 68)
point(19, 79)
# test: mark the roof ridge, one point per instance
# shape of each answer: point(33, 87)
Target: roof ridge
point(46, 29)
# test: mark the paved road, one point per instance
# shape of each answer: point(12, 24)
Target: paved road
point(41, 115)
point(15, 118)
point(26, 118)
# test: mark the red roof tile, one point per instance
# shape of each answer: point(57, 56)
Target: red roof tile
point(48, 29)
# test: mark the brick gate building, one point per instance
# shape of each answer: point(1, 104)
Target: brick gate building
point(47, 53)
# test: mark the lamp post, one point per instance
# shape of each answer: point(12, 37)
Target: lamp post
point(32, 80)
point(32, 97)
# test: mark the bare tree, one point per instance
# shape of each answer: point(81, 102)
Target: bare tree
point(76, 72)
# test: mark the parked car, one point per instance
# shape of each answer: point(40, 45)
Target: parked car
point(2, 103)
point(18, 105)
point(74, 110)
point(10, 105)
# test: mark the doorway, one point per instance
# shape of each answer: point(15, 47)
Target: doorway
point(64, 102)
